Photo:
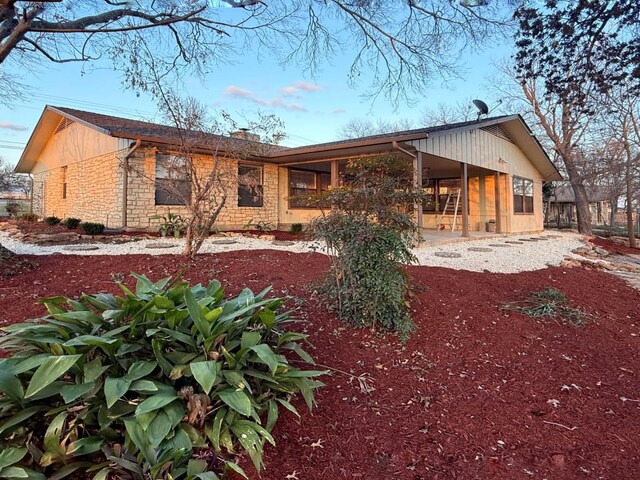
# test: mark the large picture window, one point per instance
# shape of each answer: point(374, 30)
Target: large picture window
point(173, 186)
point(522, 195)
point(250, 186)
point(303, 183)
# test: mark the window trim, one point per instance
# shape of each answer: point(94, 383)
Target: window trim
point(316, 182)
point(524, 196)
point(260, 186)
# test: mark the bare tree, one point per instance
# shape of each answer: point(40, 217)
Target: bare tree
point(402, 44)
point(201, 167)
point(364, 127)
point(13, 182)
point(446, 113)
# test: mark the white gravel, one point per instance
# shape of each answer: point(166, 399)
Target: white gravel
point(511, 259)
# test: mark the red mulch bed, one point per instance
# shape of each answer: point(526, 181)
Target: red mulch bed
point(615, 247)
point(465, 398)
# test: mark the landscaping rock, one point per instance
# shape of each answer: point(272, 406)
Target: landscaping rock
point(479, 249)
point(514, 242)
point(502, 245)
point(224, 241)
point(80, 248)
point(283, 243)
point(447, 254)
point(161, 245)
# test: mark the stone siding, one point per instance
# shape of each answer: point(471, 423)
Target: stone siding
point(94, 187)
point(141, 195)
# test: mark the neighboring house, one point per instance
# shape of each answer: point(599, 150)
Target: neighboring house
point(562, 205)
point(492, 168)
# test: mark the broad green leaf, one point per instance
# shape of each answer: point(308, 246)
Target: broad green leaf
point(300, 351)
point(145, 419)
point(93, 340)
point(29, 363)
point(94, 370)
point(236, 468)
point(19, 417)
point(155, 402)
point(114, 389)
point(195, 312)
point(52, 436)
point(214, 314)
point(14, 472)
point(49, 371)
point(250, 339)
point(102, 474)
point(140, 370)
point(196, 466)
point(72, 392)
point(213, 429)
point(86, 316)
point(236, 399)
point(68, 470)
point(159, 428)
point(269, 358)
point(288, 406)
point(267, 317)
point(9, 456)
point(205, 374)
point(234, 378)
point(85, 446)
point(11, 385)
point(140, 440)
point(144, 386)
point(194, 436)
point(272, 414)
point(250, 441)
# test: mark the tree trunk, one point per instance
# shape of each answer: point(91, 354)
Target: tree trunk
point(630, 227)
point(580, 194)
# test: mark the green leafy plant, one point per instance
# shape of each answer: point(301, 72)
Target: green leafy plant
point(549, 303)
point(92, 228)
point(172, 224)
point(141, 386)
point(71, 223)
point(51, 221)
point(29, 217)
point(296, 228)
point(369, 234)
point(261, 226)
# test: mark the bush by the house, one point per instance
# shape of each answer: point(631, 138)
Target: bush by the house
point(92, 228)
point(51, 221)
point(369, 237)
point(139, 386)
point(13, 208)
point(29, 217)
point(71, 223)
point(172, 224)
point(296, 228)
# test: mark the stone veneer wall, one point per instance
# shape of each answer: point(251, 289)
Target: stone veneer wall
point(141, 196)
point(94, 187)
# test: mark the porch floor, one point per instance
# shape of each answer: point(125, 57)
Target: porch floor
point(437, 237)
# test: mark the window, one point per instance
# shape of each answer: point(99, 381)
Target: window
point(250, 186)
point(303, 183)
point(437, 191)
point(173, 186)
point(522, 195)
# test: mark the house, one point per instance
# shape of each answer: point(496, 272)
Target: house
point(111, 170)
point(562, 205)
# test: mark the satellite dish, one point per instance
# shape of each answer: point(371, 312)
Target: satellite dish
point(482, 108)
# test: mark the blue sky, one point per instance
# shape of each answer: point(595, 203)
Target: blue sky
point(312, 109)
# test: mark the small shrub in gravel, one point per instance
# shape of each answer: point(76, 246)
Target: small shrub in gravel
point(165, 382)
point(13, 208)
point(296, 228)
point(91, 228)
point(29, 217)
point(71, 223)
point(51, 221)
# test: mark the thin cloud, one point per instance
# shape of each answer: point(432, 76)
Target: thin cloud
point(13, 126)
point(296, 87)
point(339, 111)
point(277, 102)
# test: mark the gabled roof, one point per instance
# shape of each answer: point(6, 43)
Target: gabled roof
point(119, 127)
point(155, 133)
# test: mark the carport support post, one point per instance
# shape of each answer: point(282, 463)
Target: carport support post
point(334, 173)
point(498, 204)
point(417, 182)
point(465, 199)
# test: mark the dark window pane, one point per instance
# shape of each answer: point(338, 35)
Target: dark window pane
point(172, 192)
point(250, 189)
point(528, 204)
point(517, 204)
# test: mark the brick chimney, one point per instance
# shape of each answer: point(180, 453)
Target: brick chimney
point(244, 134)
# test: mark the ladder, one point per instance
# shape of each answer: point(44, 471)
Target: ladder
point(451, 206)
